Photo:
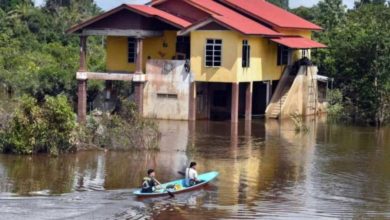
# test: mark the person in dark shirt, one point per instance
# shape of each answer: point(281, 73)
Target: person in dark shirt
point(150, 183)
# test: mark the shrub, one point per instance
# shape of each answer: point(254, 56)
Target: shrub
point(125, 129)
point(336, 108)
point(39, 128)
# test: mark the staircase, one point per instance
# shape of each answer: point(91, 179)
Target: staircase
point(276, 108)
point(312, 95)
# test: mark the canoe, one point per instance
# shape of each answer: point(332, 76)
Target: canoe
point(206, 177)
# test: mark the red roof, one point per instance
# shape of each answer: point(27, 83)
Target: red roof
point(233, 19)
point(154, 12)
point(271, 14)
point(297, 42)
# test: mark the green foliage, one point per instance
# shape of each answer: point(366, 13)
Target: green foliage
point(9, 4)
point(39, 128)
point(299, 123)
point(360, 3)
point(123, 130)
point(335, 107)
point(309, 14)
point(36, 56)
point(359, 60)
point(281, 3)
point(358, 57)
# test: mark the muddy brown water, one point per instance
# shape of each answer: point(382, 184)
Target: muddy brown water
point(266, 171)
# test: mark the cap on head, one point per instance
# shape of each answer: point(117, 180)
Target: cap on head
point(192, 164)
point(150, 171)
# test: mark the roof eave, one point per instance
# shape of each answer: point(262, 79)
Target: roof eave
point(80, 26)
point(83, 24)
point(202, 23)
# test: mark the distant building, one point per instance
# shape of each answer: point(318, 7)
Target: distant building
point(206, 59)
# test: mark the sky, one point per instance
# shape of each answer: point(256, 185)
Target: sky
point(108, 4)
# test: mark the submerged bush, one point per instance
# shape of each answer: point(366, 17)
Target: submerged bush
point(336, 108)
point(124, 129)
point(299, 123)
point(39, 128)
point(50, 127)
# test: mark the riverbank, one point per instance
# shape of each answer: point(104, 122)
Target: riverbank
point(267, 170)
point(49, 126)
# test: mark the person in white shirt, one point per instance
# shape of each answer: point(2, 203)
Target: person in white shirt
point(192, 175)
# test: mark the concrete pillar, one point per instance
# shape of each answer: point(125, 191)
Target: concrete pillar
point(139, 96)
point(209, 100)
point(82, 101)
point(139, 60)
point(82, 84)
point(248, 101)
point(290, 59)
point(192, 107)
point(83, 54)
point(234, 135)
point(267, 94)
point(235, 103)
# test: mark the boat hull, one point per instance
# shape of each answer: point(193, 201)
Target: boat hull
point(206, 177)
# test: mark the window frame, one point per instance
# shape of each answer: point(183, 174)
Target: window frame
point(282, 55)
point(213, 61)
point(246, 54)
point(167, 96)
point(131, 55)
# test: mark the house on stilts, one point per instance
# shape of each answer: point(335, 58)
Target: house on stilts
point(207, 59)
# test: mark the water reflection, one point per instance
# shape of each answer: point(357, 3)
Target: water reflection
point(266, 170)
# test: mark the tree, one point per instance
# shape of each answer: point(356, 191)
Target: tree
point(309, 14)
point(281, 3)
point(363, 2)
point(359, 60)
point(7, 5)
point(330, 13)
point(37, 128)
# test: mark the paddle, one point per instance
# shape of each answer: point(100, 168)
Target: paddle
point(181, 173)
point(169, 192)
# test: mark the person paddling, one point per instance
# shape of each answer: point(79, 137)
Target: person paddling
point(192, 175)
point(150, 183)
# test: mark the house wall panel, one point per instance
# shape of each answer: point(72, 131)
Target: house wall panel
point(263, 65)
point(167, 91)
point(163, 47)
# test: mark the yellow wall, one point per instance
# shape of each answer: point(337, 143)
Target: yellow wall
point(263, 55)
point(163, 47)
point(225, 73)
point(263, 58)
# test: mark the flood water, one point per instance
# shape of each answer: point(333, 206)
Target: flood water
point(267, 171)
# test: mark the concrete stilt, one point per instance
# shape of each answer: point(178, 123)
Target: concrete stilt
point(83, 54)
point(235, 103)
point(248, 101)
point(192, 107)
point(82, 84)
point(234, 135)
point(139, 96)
point(139, 60)
point(82, 101)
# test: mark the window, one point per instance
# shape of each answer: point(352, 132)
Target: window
point(246, 54)
point(131, 50)
point(213, 52)
point(282, 55)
